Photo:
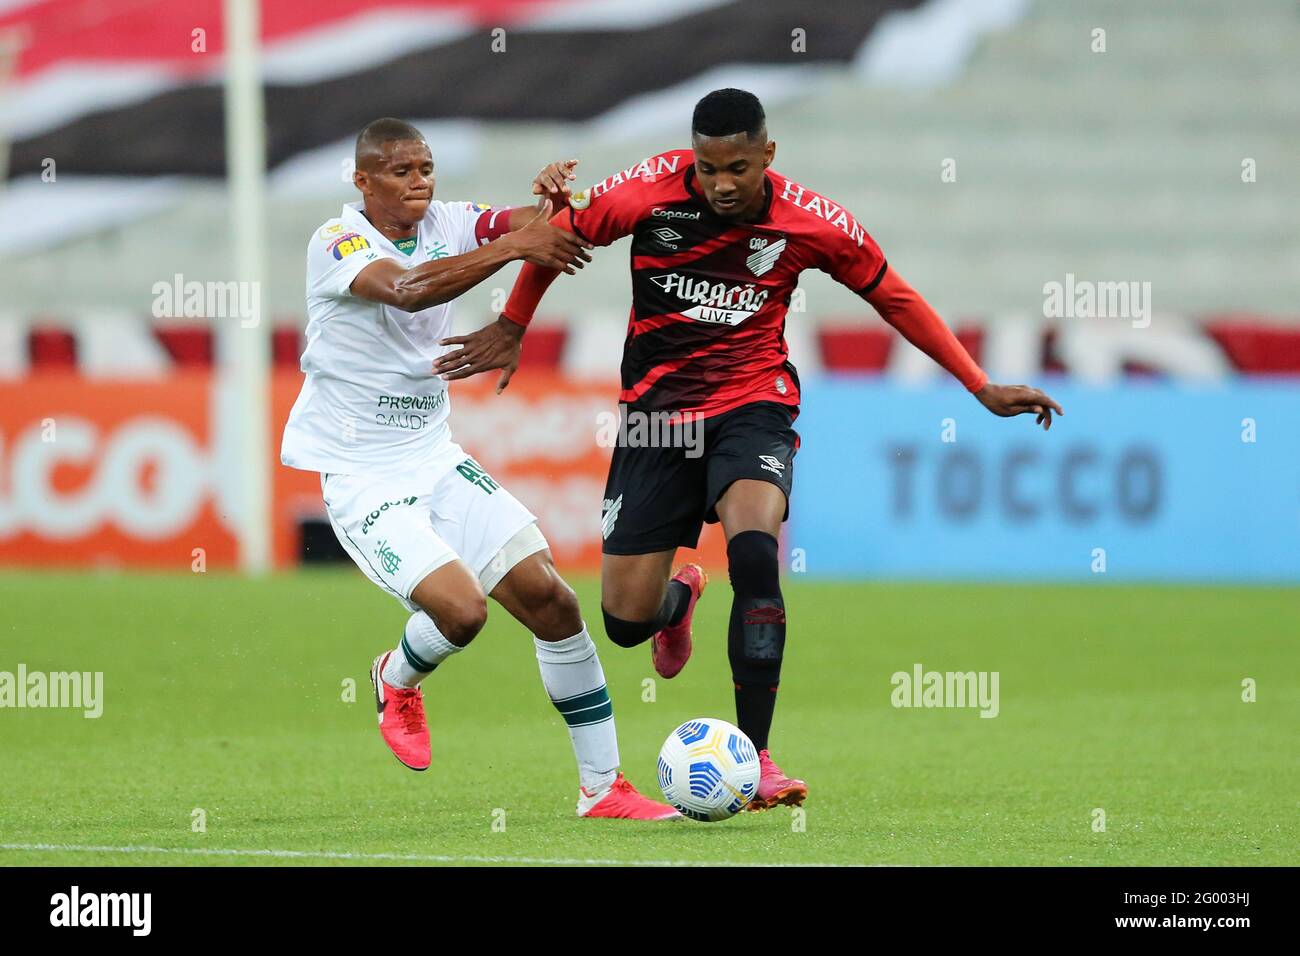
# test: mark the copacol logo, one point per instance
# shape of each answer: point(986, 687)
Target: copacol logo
point(76, 908)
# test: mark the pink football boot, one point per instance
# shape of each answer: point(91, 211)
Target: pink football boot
point(402, 723)
point(670, 648)
point(775, 788)
point(620, 801)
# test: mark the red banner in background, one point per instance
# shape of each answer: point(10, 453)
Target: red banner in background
point(141, 473)
point(104, 474)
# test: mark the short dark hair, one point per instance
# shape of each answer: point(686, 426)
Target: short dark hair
point(727, 113)
point(371, 140)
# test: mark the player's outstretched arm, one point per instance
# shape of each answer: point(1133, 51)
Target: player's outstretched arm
point(441, 280)
point(499, 345)
point(595, 221)
point(902, 307)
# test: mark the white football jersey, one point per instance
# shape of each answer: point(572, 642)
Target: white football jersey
point(371, 402)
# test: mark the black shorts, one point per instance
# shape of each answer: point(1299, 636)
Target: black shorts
point(659, 495)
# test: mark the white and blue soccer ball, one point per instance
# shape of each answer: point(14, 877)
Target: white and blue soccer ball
point(708, 769)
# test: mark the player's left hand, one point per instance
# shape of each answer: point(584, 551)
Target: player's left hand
point(1009, 400)
point(494, 346)
point(553, 182)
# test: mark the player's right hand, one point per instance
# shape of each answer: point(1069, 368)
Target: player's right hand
point(553, 182)
point(545, 245)
point(1011, 400)
point(494, 346)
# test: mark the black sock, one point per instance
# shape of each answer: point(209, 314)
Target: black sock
point(676, 600)
point(756, 634)
point(754, 707)
point(672, 609)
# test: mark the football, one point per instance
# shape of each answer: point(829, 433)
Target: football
point(708, 769)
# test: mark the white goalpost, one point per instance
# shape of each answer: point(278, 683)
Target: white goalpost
point(244, 349)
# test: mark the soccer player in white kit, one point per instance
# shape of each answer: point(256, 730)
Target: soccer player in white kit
point(419, 516)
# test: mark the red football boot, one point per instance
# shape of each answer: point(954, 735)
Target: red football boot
point(402, 723)
point(670, 648)
point(775, 788)
point(620, 801)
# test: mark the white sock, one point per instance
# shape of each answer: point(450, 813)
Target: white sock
point(575, 682)
point(422, 649)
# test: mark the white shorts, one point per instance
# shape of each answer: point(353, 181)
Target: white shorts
point(399, 530)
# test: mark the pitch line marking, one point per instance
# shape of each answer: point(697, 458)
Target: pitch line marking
point(391, 857)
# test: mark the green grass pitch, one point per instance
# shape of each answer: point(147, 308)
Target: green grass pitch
point(227, 696)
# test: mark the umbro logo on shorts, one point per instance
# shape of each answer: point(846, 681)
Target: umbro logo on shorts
point(611, 510)
point(774, 465)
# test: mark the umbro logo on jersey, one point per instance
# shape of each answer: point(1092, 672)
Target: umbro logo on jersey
point(774, 465)
point(666, 236)
point(762, 261)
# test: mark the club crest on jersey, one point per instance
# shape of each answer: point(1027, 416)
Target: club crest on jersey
point(348, 243)
point(764, 259)
point(581, 199)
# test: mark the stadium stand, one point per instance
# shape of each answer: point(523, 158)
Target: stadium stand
point(1038, 192)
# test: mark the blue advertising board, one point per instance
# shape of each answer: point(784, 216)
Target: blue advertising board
point(1140, 481)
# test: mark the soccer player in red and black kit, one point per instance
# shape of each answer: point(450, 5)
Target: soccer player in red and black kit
point(719, 239)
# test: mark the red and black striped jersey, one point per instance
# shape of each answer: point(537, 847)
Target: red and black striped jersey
point(710, 296)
